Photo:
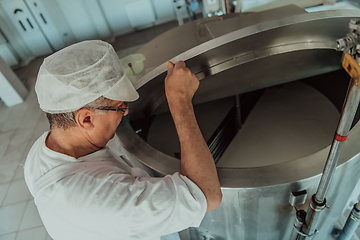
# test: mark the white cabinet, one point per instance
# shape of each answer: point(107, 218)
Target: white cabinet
point(46, 24)
point(35, 25)
point(26, 26)
point(40, 27)
point(115, 15)
point(164, 10)
point(85, 19)
point(140, 13)
point(125, 15)
point(99, 19)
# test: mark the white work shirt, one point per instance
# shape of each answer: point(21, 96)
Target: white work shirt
point(112, 200)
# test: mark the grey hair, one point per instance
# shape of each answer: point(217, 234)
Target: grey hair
point(67, 120)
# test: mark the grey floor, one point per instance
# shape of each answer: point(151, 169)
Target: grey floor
point(20, 126)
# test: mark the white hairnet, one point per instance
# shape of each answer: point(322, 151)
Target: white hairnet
point(79, 74)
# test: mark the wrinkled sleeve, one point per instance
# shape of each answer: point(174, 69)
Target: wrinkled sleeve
point(166, 205)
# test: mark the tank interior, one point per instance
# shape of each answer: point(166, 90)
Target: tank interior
point(286, 121)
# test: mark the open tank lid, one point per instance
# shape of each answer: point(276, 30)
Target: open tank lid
point(266, 49)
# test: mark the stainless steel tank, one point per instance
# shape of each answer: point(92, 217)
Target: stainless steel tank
point(242, 53)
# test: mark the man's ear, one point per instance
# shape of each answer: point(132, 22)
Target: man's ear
point(84, 119)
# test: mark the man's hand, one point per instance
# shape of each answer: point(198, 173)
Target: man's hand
point(197, 162)
point(180, 83)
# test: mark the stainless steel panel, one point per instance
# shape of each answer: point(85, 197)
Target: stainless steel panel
point(283, 49)
point(245, 59)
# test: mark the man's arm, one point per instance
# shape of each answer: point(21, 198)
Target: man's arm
point(197, 162)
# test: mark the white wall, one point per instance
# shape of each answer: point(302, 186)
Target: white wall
point(115, 14)
point(94, 19)
point(84, 19)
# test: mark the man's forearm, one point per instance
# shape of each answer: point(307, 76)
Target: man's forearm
point(196, 160)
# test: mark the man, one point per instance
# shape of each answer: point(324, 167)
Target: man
point(84, 188)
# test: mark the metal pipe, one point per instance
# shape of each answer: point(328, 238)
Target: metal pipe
point(351, 224)
point(299, 221)
point(312, 216)
point(329, 169)
point(318, 202)
point(347, 116)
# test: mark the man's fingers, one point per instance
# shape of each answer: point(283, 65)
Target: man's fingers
point(180, 64)
point(170, 67)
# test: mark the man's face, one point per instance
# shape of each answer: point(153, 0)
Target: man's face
point(106, 122)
